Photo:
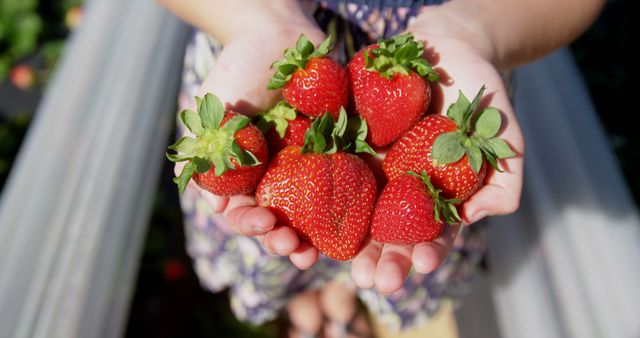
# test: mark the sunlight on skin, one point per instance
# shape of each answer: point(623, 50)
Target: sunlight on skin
point(384, 266)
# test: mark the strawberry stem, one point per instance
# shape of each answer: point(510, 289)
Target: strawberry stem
point(297, 58)
point(475, 136)
point(399, 55)
point(326, 136)
point(214, 145)
point(443, 209)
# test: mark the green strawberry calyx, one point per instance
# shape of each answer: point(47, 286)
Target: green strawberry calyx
point(214, 144)
point(297, 58)
point(475, 137)
point(443, 209)
point(277, 117)
point(326, 136)
point(399, 55)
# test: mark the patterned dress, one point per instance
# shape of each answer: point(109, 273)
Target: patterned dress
point(260, 283)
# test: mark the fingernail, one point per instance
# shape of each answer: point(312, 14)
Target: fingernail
point(478, 216)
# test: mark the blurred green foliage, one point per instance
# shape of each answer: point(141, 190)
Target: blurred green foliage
point(26, 25)
point(12, 132)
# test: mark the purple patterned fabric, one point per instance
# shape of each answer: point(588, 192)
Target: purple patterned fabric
point(261, 284)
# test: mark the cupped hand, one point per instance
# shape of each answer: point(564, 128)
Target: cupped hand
point(239, 78)
point(462, 66)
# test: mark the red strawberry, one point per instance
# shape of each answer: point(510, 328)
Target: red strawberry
point(410, 210)
point(451, 149)
point(324, 193)
point(311, 82)
point(228, 155)
point(22, 77)
point(388, 86)
point(282, 127)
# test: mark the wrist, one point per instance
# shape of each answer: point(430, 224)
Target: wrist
point(270, 21)
point(461, 23)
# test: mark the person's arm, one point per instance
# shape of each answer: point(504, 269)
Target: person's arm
point(468, 41)
point(228, 20)
point(509, 32)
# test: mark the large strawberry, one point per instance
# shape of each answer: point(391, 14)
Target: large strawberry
point(410, 210)
point(451, 150)
point(389, 89)
point(311, 82)
point(325, 194)
point(228, 154)
point(282, 127)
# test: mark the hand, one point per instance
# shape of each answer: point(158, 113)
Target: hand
point(463, 66)
point(239, 78)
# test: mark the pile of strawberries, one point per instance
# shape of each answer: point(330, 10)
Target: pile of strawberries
point(302, 158)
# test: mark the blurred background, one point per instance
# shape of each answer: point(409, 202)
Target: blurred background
point(166, 299)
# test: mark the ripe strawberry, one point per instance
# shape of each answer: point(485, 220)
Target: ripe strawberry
point(228, 154)
point(388, 86)
point(451, 149)
point(410, 210)
point(22, 77)
point(311, 82)
point(324, 193)
point(282, 127)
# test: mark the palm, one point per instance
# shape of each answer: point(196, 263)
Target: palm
point(239, 78)
point(385, 266)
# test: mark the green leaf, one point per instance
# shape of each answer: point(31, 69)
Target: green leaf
point(192, 121)
point(279, 115)
point(281, 127)
point(250, 159)
point(201, 165)
point(277, 82)
point(287, 69)
point(340, 127)
point(184, 145)
point(363, 147)
point(406, 53)
point(468, 115)
point(475, 157)
point(325, 47)
point(178, 157)
point(447, 148)
point(235, 123)
point(198, 102)
point(501, 148)
point(211, 112)
point(183, 179)
point(488, 123)
point(304, 46)
point(423, 68)
point(221, 165)
point(457, 110)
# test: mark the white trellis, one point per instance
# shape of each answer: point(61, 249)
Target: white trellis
point(76, 207)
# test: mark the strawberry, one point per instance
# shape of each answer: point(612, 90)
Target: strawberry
point(451, 150)
point(410, 210)
point(388, 84)
point(282, 127)
point(311, 82)
point(22, 76)
point(228, 154)
point(326, 194)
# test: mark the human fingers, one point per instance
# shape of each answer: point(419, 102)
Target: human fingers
point(281, 240)
point(501, 193)
point(393, 267)
point(245, 218)
point(304, 256)
point(363, 266)
point(426, 257)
